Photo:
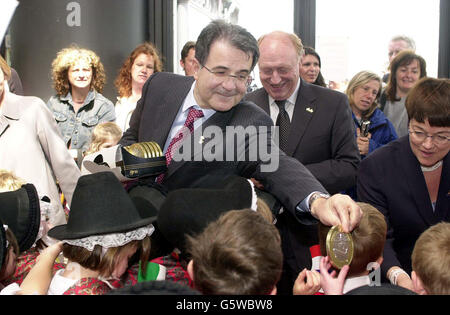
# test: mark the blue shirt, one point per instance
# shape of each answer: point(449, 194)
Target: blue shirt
point(77, 127)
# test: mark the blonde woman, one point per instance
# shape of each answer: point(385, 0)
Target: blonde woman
point(78, 106)
point(363, 92)
point(32, 148)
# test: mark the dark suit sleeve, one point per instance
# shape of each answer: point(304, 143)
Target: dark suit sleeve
point(339, 172)
point(283, 176)
point(371, 189)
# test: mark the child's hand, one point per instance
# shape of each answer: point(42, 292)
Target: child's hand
point(331, 284)
point(51, 252)
point(307, 283)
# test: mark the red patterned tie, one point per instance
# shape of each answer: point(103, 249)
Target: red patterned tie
point(193, 115)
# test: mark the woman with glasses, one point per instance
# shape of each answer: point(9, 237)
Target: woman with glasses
point(408, 180)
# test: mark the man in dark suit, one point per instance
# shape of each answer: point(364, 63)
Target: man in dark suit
point(226, 54)
point(319, 131)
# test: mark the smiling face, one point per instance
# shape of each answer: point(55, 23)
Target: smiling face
point(222, 93)
point(80, 75)
point(427, 152)
point(364, 96)
point(279, 66)
point(142, 68)
point(407, 76)
point(309, 69)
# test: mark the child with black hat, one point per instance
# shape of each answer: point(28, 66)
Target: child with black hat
point(9, 250)
point(103, 232)
point(24, 214)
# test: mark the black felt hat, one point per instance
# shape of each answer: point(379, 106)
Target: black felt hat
point(100, 205)
point(21, 212)
point(189, 211)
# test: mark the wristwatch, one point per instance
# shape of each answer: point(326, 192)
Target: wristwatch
point(315, 196)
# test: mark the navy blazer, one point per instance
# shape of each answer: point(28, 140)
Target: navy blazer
point(391, 180)
point(163, 95)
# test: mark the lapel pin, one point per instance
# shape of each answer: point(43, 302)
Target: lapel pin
point(309, 109)
point(202, 139)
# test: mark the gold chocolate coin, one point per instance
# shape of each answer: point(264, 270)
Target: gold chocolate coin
point(339, 247)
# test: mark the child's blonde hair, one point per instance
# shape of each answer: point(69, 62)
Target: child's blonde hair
point(9, 181)
point(431, 258)
point(102, 133)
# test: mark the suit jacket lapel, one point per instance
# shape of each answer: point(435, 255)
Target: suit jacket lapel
point(167, 111)
point(10, 110)
point(413, 176)
point(305, 107)
point(220, 120)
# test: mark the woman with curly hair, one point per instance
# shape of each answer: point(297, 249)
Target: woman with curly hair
point(137, 68)
point(78, 78)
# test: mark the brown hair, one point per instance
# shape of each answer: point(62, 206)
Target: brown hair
point(104, 263)
point(240, 253)
point(11, 239)
point(368, 239)
point(404, 58)
point(66, 58)
point(123, 80)
point(431, 258)
point(430, 99)
point(5, 68)
point(263, 209)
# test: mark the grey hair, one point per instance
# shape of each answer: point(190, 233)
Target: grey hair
point(236, 35)
point(409, 41)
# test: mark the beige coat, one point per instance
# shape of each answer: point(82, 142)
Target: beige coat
point(31, 146)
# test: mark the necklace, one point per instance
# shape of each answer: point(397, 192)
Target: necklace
point(431, 168)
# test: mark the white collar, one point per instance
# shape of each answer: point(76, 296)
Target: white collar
point(190, 101)
point(356, 282)
point(291, 99)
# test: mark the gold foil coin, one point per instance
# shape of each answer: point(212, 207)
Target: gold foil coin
point(339, 247)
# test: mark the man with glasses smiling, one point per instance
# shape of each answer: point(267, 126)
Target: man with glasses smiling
point(408, 180)
point(226, 54)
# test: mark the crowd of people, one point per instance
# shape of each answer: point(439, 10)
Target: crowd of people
point(373, 161)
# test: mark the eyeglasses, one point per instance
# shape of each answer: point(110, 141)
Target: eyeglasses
point(438, 139)
point(223, 75)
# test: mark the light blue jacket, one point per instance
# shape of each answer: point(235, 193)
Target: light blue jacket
point(77, 127)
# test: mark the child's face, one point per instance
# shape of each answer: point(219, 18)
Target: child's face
point(122, 262)
point(110, 142)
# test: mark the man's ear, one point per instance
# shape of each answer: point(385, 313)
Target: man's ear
point(190, 269)
point(417, 284)
point(197, 68)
